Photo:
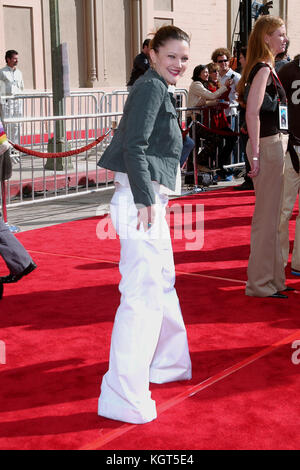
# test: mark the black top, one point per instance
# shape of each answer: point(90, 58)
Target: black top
point(140, 66)
point(269, 120)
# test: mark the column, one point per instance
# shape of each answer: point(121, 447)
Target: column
point(90, 43)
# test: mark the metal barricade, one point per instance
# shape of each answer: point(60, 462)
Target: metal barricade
point(115, 101)
point(31, 181)
point(112, 102)
point(181, 96)
point(41, 105)
point(202, 135)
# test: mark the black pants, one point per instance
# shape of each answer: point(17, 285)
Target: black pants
point(12, 251)
point(212, 145)
point(243, 142)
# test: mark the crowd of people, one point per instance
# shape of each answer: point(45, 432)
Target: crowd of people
point(213, 86)
point(149, 341)
point(213, 90)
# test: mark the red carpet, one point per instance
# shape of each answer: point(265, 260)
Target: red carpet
point(56, 325)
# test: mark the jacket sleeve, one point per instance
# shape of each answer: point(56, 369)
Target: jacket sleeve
point(146, 100)
point(204, 94)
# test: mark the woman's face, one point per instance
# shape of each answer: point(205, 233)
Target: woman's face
point(214, 75)
point(171, 60)
point(242, 60)
point(204, 75)
point(277, 41)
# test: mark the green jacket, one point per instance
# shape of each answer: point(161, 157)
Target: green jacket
point(147, 144)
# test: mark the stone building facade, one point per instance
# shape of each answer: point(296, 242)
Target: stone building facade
point(103, 36)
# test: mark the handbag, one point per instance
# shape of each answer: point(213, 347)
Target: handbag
point(269, 104)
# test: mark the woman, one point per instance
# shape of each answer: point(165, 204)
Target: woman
point(248, 183)
point(218, 121)
point(265, 151)
point(149, 341)
point(200, 95)
point(242, 58)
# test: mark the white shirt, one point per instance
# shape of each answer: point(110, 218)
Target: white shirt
point(122, 179)
point(232, 94)
point(11, 81)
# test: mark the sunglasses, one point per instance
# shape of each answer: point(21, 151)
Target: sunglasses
point(221, 61)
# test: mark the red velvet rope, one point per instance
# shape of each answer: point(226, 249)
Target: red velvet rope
point(98, 140)
point(218, 132)
point(62, 154)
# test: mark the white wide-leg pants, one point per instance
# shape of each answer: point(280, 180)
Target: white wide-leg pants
point(149, 341)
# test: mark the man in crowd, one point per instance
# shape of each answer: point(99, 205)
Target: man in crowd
point(11, 83)
point(289, 75)
point(141, 63)
point(222, 57)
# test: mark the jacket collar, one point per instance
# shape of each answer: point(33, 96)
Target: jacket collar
point(152, 73)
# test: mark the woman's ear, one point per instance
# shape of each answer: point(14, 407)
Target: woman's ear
point(267, 39)
point(152, 54)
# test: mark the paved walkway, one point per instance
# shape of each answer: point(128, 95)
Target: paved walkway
point(30, 216)
point(44, 214)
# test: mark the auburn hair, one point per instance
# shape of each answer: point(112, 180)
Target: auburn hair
point(257, 49)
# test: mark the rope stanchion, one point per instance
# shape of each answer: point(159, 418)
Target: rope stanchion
point(221, 132)
point(12, 228)
point(69, 153)
point(3, 198)
point(195, 157)
point(198, 109)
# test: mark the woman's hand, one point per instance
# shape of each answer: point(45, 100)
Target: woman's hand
point(229, 82)
point(223, 104)
point(146, 217)
point(254, 168)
